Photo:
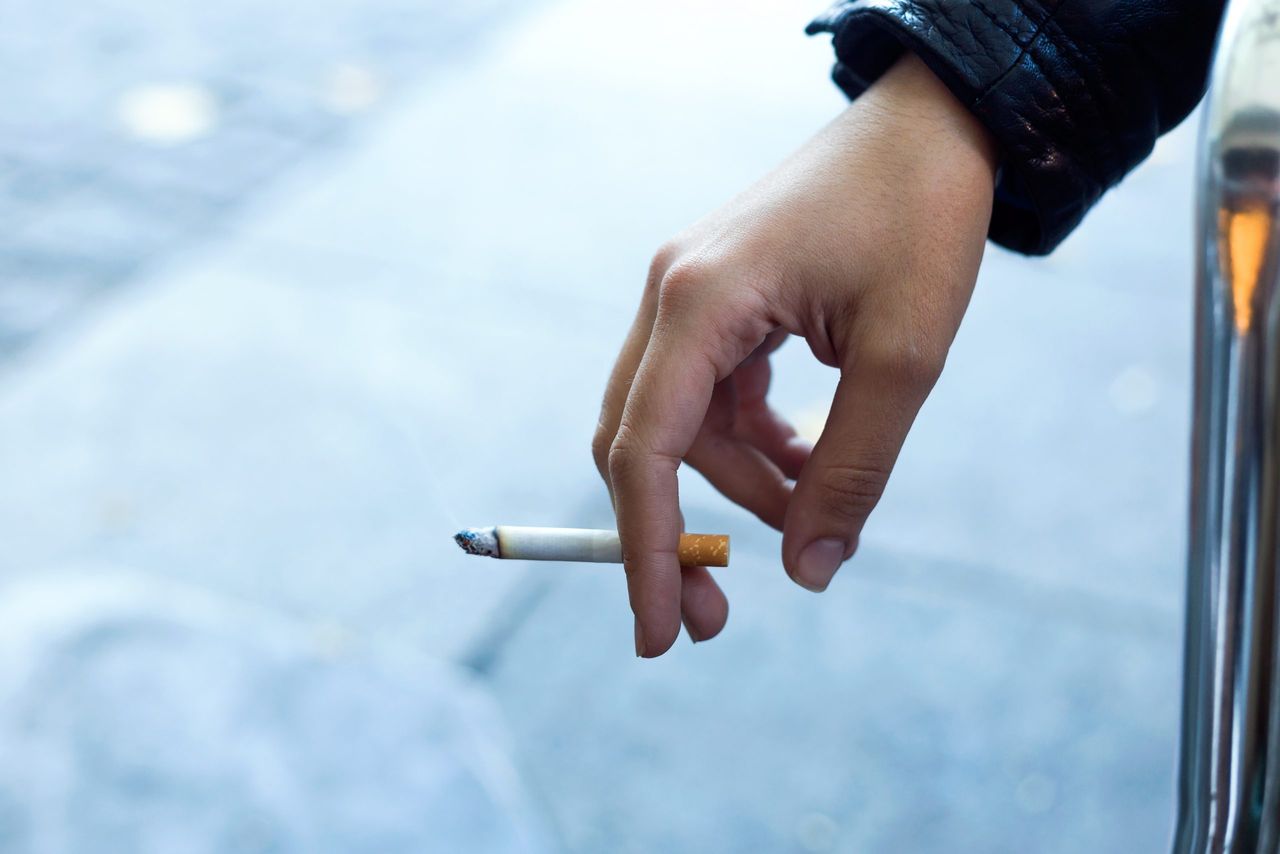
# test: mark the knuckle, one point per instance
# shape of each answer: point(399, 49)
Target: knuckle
point(910, 363)
point(629, 458)
point(600, 445)
point(680, 282)
point(621, 458)
point(663, 260)
point(850, 492)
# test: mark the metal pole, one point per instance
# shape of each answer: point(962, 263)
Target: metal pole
point(1229, 762)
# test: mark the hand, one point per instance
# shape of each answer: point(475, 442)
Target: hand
point(866, 242)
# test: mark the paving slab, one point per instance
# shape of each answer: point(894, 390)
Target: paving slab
point(145, 716)
point(169, 114)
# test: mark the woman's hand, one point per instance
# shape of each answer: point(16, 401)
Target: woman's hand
point(866, 242)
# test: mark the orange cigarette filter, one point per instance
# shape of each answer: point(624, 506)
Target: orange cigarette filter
point(704, 550)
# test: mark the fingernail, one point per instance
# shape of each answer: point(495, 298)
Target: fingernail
point(639, 641)
point(693, 636)
point(818, 563)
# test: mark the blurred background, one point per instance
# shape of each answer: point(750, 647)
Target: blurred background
point(288, 294)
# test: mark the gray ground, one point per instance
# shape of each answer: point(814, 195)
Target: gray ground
point(295, 401)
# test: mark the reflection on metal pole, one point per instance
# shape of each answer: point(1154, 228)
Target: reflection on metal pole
point(1229, 763)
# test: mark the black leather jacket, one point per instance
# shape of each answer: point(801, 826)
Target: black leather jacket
point(1074, 92)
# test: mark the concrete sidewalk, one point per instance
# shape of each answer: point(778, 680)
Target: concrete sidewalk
point(412, 334)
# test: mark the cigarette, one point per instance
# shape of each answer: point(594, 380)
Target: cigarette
point(511, 542)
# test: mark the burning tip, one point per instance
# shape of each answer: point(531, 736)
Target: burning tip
point(478, 541)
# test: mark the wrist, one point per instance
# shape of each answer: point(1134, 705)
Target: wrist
point(914, 94)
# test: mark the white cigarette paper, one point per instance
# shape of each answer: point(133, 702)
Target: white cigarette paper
point(513, 542)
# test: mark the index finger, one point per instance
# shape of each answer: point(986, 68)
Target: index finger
point(660, 420)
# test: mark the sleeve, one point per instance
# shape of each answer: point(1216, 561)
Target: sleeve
point(1075, 92)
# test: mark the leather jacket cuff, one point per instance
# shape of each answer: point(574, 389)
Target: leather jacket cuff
point(1051, 171)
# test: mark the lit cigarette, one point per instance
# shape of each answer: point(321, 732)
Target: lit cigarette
point(509, 542)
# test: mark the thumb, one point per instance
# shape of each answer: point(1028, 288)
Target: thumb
point(874, 406)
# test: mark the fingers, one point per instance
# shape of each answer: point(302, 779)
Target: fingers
point(776, 439)
point(757, 422)
point(740, 471)
point(758, 478)
point(880, 391)
point(743, 475)
point(659, 423)
point(624, 371)
point(702, 604)
point(662, 417)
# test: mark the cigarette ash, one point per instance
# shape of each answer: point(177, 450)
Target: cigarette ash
point(478, 541)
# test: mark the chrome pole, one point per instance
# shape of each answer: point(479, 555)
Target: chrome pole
point(1229, 761)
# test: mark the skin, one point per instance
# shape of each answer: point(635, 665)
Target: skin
point(866, 243)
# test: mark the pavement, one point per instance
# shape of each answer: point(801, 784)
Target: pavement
point(406, 330)
point(133, 129)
